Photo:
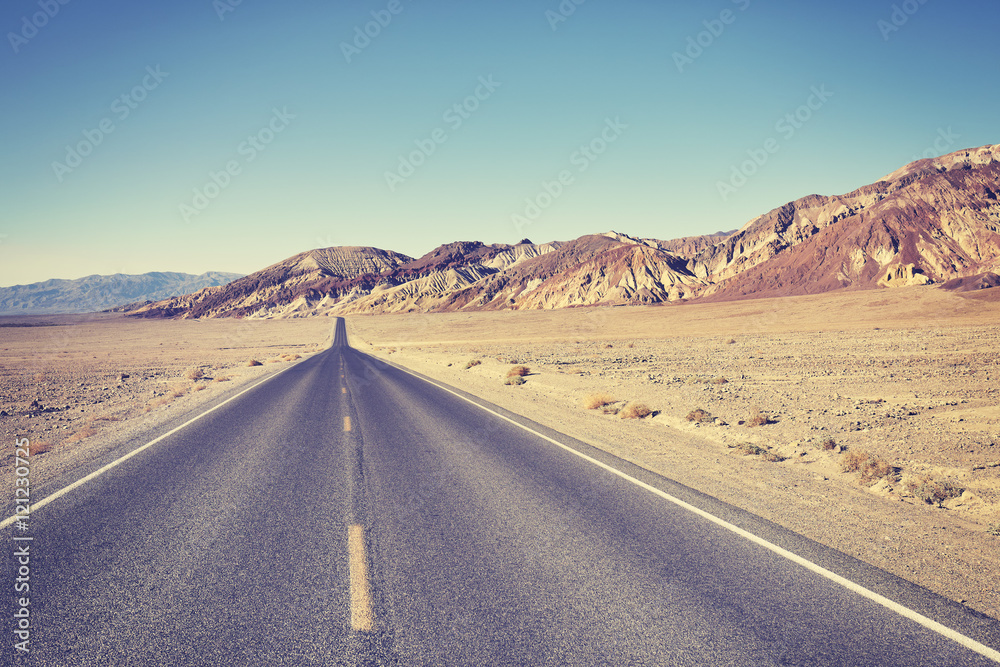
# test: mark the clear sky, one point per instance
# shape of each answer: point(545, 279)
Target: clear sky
point(194, 135)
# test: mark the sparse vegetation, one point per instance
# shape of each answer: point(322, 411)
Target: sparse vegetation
point(994, 529)
point(518, 371)
point(254, 362)
point(635, 411)
point(750, 449)
point(731, 341)
point(473, 362)
point(40, 447)
point(82, 434)
point(599, 400)
point(934, 492)
point(760, 419)
point(828, 445)
point(194, 373)
point(720, 380)
point(872, 468)
point(514, 380)
point(222, 378)
point(700, 416)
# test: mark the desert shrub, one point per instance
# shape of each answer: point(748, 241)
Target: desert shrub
point(698, 415)
point(871, 467)
point(598, 400)
point(222, 378)
point(82, 434)
point(828, 445)
point(471, 363)
point(40, 447)
point(760, 419)
point(518, 371)
point(254, 362)
point(194, 374)
point(731, 341)
point(635, 411)
point(515, 380)
point(199, 387)
point(994, 530)
point(720, 380)
point(934, 492)
point(750, 449)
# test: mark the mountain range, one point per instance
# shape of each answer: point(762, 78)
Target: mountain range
point(934, 221)
point(95, 293)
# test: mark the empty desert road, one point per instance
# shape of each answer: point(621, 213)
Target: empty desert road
point(347, 512)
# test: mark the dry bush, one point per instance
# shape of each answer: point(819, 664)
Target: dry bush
point(934, 492)
point(199, 387)
point(731, 341)
point(635, 411)
point(471, 363)
point(222, 378)
point(40, 447)
point(518, 371)
point(750, 449)
point(82, 434)
point(828, 445)
point(700, 416)
point(760, 419)
point(254, 362)
point(871, 467)
point(291, 357)
point(720, 380)
point(598, 400)
point(103, 418)
point(194, 374)
point(514, 380)
point(994, 530)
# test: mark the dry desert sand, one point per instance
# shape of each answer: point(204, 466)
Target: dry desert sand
point(907, 376)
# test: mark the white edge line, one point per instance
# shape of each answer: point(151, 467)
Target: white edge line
point(97, 473)
point(906, 612)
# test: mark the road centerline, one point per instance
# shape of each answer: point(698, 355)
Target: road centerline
point(362, 616)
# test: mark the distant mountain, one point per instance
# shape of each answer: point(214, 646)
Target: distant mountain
point(299, 284)
point(934, 221)
point(929, 222)
point(96, 293)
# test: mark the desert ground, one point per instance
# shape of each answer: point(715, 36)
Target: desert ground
point(867, 421)
point(80, 385)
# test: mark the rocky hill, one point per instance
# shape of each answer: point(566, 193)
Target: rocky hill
point(96, 293)
point(930, 222)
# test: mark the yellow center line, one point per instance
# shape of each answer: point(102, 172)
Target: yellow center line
point(362, 617)
point(347, 424)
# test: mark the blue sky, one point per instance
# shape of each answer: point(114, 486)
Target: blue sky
point(199, 135)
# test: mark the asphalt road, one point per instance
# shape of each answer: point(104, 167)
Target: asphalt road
point(346, 512)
